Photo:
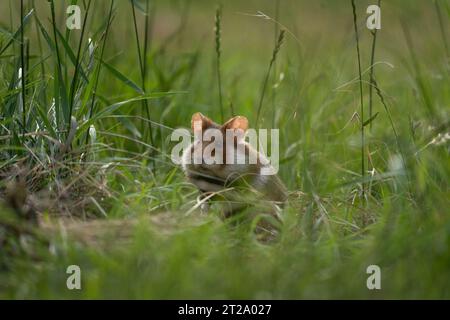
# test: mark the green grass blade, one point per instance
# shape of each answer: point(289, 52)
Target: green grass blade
point(119, 75)
point(112, 108)
point(16, 34)
point(71, 55)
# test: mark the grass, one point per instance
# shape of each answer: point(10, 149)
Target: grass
point(22, 72)
point(217, 30)
point(266, 78)
point(372, 81)
point(361, 112)
point(86, 176)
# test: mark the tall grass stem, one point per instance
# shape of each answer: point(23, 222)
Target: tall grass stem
point(73, 85)
point(371, 81)
point(97, 76)
point(59, 64)
point(276, 31)
point(363, 170)
point(266, 78)
point(23, 70)
point(217, 30)
point(142, 66)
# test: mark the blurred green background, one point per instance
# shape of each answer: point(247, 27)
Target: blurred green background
point(111, 201)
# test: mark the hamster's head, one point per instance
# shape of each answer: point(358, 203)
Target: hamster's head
point(211, 149)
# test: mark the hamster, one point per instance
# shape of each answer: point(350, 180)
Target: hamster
point(235, 180)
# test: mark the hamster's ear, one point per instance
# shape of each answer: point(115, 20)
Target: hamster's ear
point(238, 122)
point(199, 121)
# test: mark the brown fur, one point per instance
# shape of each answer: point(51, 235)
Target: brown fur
point(267, 191)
